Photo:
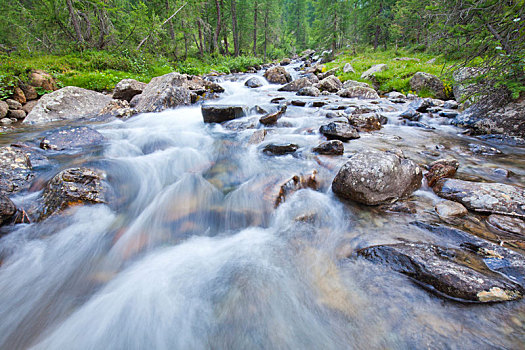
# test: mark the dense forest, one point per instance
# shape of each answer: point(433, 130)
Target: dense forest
point(477, 32)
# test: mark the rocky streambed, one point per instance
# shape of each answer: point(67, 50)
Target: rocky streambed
point(280, 209)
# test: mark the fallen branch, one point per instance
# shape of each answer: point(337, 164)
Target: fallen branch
point(163, 23)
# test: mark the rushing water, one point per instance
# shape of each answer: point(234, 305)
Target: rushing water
point(191, 253)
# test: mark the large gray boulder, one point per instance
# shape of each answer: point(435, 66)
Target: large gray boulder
point(342, 131)
point(422, 81)
point(164, 92)
point(69, 103)
point(372, 71)
point(126, 89)
point(373, 177)
point(278, 75)
point(297, 85)
point(358, 92)
point(330, 84)
point(492, 198)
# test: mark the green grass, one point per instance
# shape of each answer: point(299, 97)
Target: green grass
point(398, 74)
point(102, 70)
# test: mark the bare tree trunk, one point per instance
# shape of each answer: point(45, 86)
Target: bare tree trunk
point(170, 28)
point(266, 15)
point(255, 10)
point(74, 21)
point(376, 37)
point(215, 42)
point(200, 44)
point(235, 31)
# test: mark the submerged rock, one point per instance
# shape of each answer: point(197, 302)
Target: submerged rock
point(334, 147)
point(221, 113)
point(373, 178)
point(339, 131)
point(71, 187)
point(484, 197)
point(16, 169)
point(69, 103)
point(69, 138)
point(449, 209)
point(277, 75)
point(365, 123)
point(280, 149)
point(451, 272)
point(296, 183)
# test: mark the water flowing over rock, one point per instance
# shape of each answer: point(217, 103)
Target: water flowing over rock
point(358, 92)
point(330, 84)
point(72, 187)
point(167, 91)
point(297, 85)
point(70, 138)
point(484, 197)
point(446, 270)
point(253, 82)
point(339, 131)
point(221, 113)
point(69, 103)
point(334, 147)
point(17, 173)
point(373, 178)
point(126, 89)
point(296, 183)
point(277, 75)
point(427, 82)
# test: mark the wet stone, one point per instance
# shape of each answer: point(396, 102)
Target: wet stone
point(309, 91)
point(272, 118)
point(280, 149)
point(339, 131)
point(410, 114)
point(446, 271)
point(71, 138)
point(448, 114)
point(334, 147)
point(295, 184)
point(16, 169)
point(7, 209)
point(449, 209)
point(318, 104)
point(221, 113)
point(440, 169)
point(257, 137)
point(298, 103)
point(506, 224)
point(373, 177)
point(277, 99)
point(71, 187)
point(365, 123)
point(493, 198)
point(253, 83)
point(483, 150)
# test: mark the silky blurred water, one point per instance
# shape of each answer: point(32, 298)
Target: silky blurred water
point(191, 252)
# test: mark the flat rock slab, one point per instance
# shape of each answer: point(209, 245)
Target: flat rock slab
point(339, 131)
point(482, 197)
point(70, 138)
point(16, 169)
point(69, 103)
point(451, 272)
point(334, 147)
point(221, 113)
point(280, 149)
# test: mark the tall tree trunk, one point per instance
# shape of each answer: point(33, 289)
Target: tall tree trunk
point(215, 42)
point(376, 37)
point(235, 30)
point(266, 15)
point(334, 35)
point(74, 21)
point(255, 10)
point(200, 43)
